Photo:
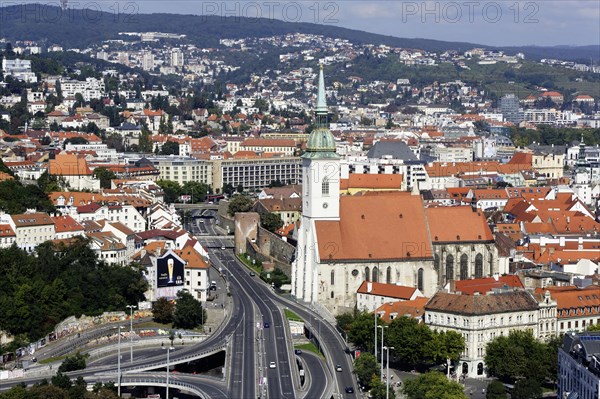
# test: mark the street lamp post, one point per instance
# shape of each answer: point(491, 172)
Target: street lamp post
point(382, 328)
point(387, 375)
point(131, 307)
point(119, 361)
point(169, 349)
point(375, 314)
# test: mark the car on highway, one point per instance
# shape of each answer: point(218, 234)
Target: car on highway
point(338, 368)
point(252, 274)
point(349, 390)
point(223, 248)
point(298, 352)
point(266, 325)
point(272, 365)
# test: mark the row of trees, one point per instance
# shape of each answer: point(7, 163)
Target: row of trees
point(39, 291)
point(174, 190)
point(416, 345)
point(548, 135)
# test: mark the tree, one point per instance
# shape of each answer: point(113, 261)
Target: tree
point(172, 190)
point(365, 368)
point(527, 388)
point(61, 380)
point(145, 141)
point(72, 363)
point(344, 320)
point(271, 221)
point(411, 341)
point(48, 183)
point(162, 311)
point(495, 390)
point(378, 389)
point(239, 203)
point(518, 355)
point(445, 345)
point(105, 176)
point(361, 331)
point(170, 148)
point(115, 141)
point(188, 311)
point(433, 385)
point(196, 189)
point(228, 189)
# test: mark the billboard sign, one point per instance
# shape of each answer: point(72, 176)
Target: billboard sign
point(169, 271)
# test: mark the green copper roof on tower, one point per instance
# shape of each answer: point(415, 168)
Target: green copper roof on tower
point(321, 143)
point(321, 99)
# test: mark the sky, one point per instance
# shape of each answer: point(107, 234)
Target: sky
point(500, 22)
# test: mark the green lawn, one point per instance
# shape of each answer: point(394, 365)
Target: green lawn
point(309, 347)
point(53, 359)
point(292, 316)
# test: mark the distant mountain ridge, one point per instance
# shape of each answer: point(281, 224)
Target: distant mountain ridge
point(78, 28)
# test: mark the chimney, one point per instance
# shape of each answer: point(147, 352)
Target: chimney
point(369, 286)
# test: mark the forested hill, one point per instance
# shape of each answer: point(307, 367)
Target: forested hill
point(79, 28)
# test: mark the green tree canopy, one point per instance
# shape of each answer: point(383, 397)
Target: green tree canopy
point(170, 148)
point(105, 176)
point(527, 388)
point(378, 389)
point(16, 198)
point(411, 341)
point(188, 311)
point(518, 355)
point(495, 390)
point(433, 385)
point(59, 281)
point(365, 368)
point(239, 203)
point(197, 189)
point(172, 190)
point(361, 331)
point(72, 363)
point(271, 221)
point(162, 311)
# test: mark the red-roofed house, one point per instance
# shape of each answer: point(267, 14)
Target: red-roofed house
point(414, 309)
point(74, 170)
point(370, 295)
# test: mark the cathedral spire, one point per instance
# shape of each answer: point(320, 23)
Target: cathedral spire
point(321, 99)
point(321, 143)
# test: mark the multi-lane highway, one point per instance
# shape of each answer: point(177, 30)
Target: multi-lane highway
point(258, 336)
point(277, 351)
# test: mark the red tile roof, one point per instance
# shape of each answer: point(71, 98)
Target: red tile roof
point(379, 225)
point(457, 224)
point(485, 285)
point(387, 290)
